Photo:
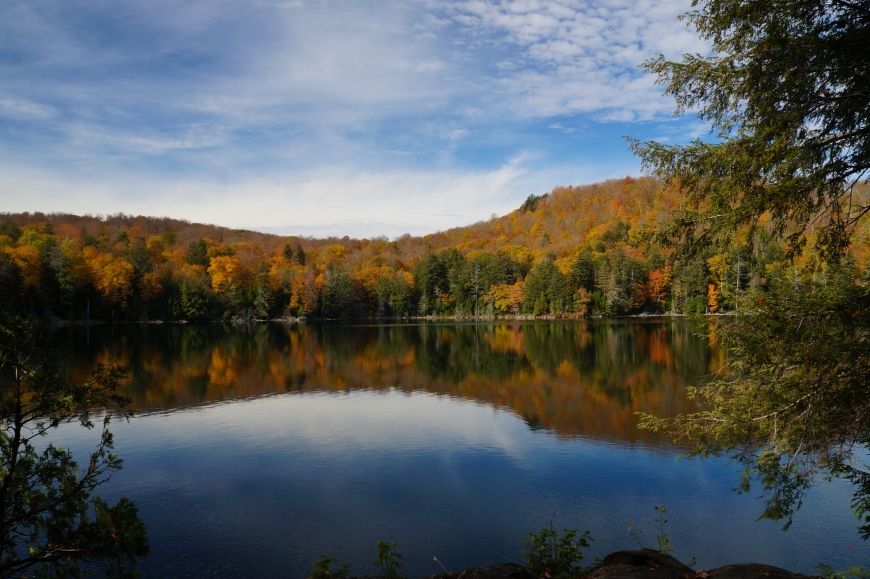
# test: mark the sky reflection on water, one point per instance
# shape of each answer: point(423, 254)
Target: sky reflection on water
point(259, 486)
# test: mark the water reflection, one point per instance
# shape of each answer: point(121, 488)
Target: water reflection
point(451, 440)
point(572, 378)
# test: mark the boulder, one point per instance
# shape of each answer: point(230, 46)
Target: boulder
point(643, 564)
point(649, 564)
point(751, 571)
point(494, 571)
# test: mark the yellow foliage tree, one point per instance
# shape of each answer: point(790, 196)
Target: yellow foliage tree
point(223, 271)
point(407, 277)
point(150, 286)
point(369, 275)
point(112, 276)
point(507, 297)
point(30, 235)
point(155, 245)
point(333, 255)
point(27, 258)
point(282, 271)
point(718, 265)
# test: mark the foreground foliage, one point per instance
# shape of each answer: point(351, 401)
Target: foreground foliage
point(323, 569)
point(388, 562)
point(556, 554)
point(51, 523)
point(551, 554)
point(787, 89)
point(788, 92)
point(794, 406)
point(663, 541)
point(854, 572)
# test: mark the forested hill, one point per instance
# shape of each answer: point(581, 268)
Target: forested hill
point(568, 252)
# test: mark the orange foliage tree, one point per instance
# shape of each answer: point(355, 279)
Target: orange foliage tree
point(712, 297)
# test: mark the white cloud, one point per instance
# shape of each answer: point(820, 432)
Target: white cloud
point(262, 113)
point(22, 109)
point(559, 127)
point(338, 64)
point(581, 56)
point(324, 202)
point(146, 142)
point(246, 63)
point(430, 66)
point(430, 21)
point(293, 4)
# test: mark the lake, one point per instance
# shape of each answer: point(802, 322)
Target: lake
point(256, 448)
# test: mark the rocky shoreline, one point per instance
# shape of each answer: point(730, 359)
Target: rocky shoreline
point(642, 564)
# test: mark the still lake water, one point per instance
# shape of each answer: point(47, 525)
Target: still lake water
point(257, 448)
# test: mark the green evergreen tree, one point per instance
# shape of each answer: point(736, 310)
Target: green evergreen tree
point(10, 229)
point(197, 253)
point(787, 90)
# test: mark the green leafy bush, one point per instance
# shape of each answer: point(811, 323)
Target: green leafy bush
point(854, 572)
point(388, 561)
point(663, 542)
point(322, 569)
point(556, 554)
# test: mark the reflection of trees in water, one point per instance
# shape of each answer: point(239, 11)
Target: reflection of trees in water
point(454, 353)
point(573, 378)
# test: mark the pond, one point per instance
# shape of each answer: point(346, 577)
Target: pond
point(256, 448)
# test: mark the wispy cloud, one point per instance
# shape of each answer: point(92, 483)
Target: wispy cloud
point(579, 56)
point(323, 202)
point(227, 111)
point(20, 109)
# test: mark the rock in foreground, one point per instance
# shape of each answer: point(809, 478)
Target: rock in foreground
point(649, 564)
point(642, 564)
point(494, 571)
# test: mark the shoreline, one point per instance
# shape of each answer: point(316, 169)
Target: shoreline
point(303, 319)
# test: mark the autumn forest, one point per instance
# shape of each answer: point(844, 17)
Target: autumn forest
point(575, 252)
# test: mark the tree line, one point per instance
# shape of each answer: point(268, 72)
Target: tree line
point(574, 252)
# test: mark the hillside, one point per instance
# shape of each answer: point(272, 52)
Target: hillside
point(569, 252)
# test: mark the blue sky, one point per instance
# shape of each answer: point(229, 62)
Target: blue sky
point(337, 117)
